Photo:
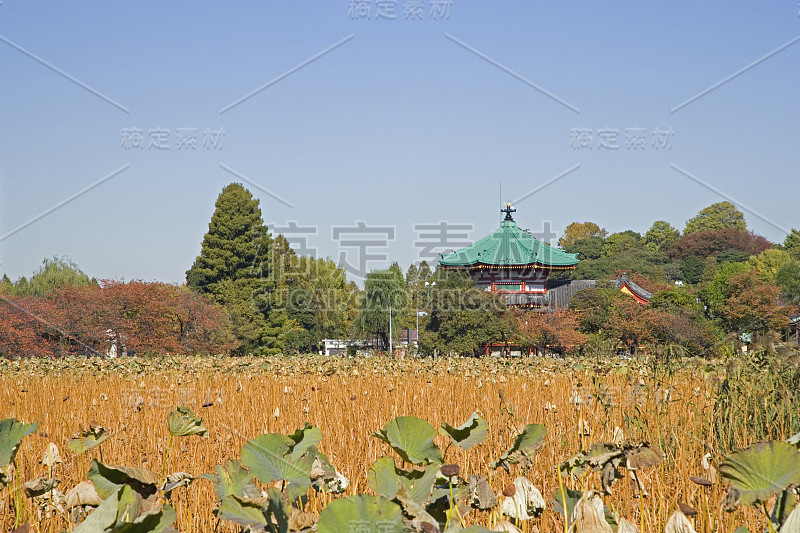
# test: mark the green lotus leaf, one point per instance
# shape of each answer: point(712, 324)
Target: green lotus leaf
point(305, 438)
point(12, 431)
point(121, 513)
point(525, 445)
point(361, 513)
point(183, 423)
point(761, 470)
point(243, 512)
point(268, 457)
point(128, 504)
point(102, 518)
point(468, 434)
point(412, 439)
point(159, 520)
point(385, 479)
point(232, 480)
point(382, 479)
point(87, 440)
point(262, 514)
point(108, 479)
point(792, 524)
point(571, 496)
point(277, 511)
point(784, 504)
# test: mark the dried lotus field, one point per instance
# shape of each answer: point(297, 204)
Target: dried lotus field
point(579, 403)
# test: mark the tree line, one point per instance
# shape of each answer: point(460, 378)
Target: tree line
point(249, 292)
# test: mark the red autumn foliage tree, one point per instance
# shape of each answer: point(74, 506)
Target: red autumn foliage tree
point(22, 331)
point(147, 318)
point(711, 242)
point(557, 331)
point(632, 323)
point(750, 304)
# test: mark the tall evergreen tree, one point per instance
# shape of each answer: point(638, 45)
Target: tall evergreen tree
point(237, 268)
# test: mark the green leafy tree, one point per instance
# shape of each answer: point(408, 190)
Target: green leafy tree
point(792, 243)
point(591, 265)
point(588, 248)
point(623, 251)
point(740, 301)
point(54, 273)
point(710, 266)
point(624, 241)
point(692, 269)
point(715, 293)
point(660, 236)
point(237, 267)
point(580, 230)
point(463, 318)
point(788, 279)
point(593, 306)
point(382, 289)
point(720, 215)
point(320, 300)
point(416, 277)
point(769, 262)
point(6, 285)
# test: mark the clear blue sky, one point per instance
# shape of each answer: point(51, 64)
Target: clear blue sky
point(402, 123)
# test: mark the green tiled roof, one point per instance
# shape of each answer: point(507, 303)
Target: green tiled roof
point(511, 247)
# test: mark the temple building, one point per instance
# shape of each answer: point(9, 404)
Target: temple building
point(512, 262)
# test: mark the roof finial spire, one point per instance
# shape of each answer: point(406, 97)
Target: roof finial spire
point(508, 210)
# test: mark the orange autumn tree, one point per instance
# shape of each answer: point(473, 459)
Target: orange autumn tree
point(557, 331)
point(751, 304)
point(632, 323)
point(21, 330)
point(143, 317)
point(150, 317)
